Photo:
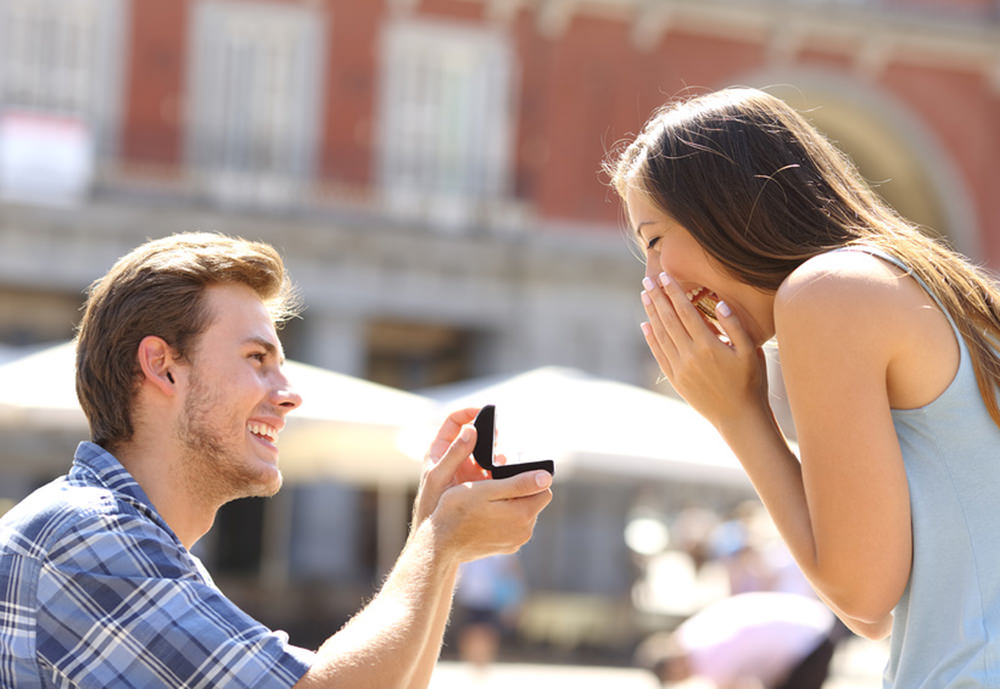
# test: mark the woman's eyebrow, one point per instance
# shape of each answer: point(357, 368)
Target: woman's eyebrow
point(638, 228)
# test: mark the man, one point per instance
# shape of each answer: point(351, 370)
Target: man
point(758, 640)
point(179, 374)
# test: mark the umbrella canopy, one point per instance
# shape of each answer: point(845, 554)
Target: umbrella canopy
point(347, 428)
point(593, 427)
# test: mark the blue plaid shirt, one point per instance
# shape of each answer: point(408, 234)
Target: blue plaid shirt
point(96, 591)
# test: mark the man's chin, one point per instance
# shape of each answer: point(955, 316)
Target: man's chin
point(261, 482)
point(268, 485)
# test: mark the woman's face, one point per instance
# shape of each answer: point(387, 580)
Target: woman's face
point(669, 248)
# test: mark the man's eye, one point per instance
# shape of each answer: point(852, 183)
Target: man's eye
point(259, 356)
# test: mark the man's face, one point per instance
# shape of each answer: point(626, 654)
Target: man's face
point(235, 399)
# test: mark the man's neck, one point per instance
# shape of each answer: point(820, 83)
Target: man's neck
point(161, 475)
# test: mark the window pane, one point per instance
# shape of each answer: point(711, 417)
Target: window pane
point(256, 79)
point(63, 57)
point(445, 125)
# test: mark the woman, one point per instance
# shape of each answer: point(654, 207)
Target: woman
point(754, 226)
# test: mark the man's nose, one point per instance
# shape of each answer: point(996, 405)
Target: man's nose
point(285, 396)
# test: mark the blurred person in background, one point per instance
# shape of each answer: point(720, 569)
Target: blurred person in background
point(753, 227)
point(753, 554)
point(179, 370)
point(760, 640)
point(487, 600)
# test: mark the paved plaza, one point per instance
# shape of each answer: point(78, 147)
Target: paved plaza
point(857, 665)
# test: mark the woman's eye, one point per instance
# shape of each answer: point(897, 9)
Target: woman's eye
point(652, 242)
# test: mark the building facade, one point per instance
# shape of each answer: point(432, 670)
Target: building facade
point(431, 168)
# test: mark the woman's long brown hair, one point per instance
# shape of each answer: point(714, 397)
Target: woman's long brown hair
point(763, 191)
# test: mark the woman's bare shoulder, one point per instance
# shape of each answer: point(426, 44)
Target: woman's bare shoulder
point(843, 288)
point(869, 315)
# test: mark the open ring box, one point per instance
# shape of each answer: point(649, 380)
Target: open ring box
point(483, 452)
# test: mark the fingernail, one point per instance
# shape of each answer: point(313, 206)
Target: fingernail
point(722, 308)
point(664, 279)
point(466, 434)
point(648, 284)
point(543, 478)
point(645, 299)
point(646, 330)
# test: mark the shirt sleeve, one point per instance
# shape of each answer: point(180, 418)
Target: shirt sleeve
point(120, 604)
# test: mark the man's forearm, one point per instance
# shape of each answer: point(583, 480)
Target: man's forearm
point(387, 644)
point(393, 643)
point(432, 646)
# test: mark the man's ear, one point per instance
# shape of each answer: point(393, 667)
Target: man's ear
point(157, 359)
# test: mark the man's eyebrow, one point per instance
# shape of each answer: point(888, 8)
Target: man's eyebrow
point(268, 346)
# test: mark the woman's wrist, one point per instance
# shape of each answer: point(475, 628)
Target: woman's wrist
point(752, 430)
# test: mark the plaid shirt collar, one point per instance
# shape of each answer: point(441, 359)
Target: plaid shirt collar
point(95, 466)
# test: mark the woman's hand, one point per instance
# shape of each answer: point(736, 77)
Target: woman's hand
point(717, 372)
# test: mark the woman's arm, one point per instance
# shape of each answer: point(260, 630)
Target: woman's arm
point(844, 510)
point(838, 334)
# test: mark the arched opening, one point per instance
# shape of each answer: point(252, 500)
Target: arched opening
point(888, 163)
point(892, 148)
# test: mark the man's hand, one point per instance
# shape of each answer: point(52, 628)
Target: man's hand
point(477, 519)
point(474, 517)
point(457, 517)
point(448, 463)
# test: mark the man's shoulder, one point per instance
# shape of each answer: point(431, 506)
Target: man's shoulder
point(64, 509)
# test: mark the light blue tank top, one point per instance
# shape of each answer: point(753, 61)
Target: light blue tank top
point(946, 632)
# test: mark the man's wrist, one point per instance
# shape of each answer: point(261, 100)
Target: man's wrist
point(432, 539)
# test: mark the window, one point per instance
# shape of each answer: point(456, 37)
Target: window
point(409, 355)
point(445, 117)
point(254, 99)
point(60, 84)
point(63, 58)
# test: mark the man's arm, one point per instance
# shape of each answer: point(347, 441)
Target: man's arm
point(432, 646)
point(468, 470)
point(395, 640)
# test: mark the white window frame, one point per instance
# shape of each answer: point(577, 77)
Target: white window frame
point(254, 99)
point(64, 58)
point(446, 118)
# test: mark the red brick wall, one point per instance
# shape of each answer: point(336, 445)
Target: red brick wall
point(349, 101)
point(962, 110)
point(580, 91)
point(599, 89)
point(153, 99)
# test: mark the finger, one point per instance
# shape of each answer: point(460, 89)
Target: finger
point(469, 471)
point(654, 347)
point(525, 508)
point(731, 326)
point(689, 316)
point(520, 485)
point(449, 430)
point(665, 319)
point(451, 467)
point(659, 329)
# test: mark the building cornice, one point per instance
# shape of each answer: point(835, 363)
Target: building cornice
point(875, 34)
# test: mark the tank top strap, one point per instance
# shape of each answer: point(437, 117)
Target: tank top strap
point(896, 261)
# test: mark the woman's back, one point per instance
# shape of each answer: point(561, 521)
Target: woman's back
point(946, 631)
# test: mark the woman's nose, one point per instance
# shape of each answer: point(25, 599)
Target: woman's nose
point(653, 270)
